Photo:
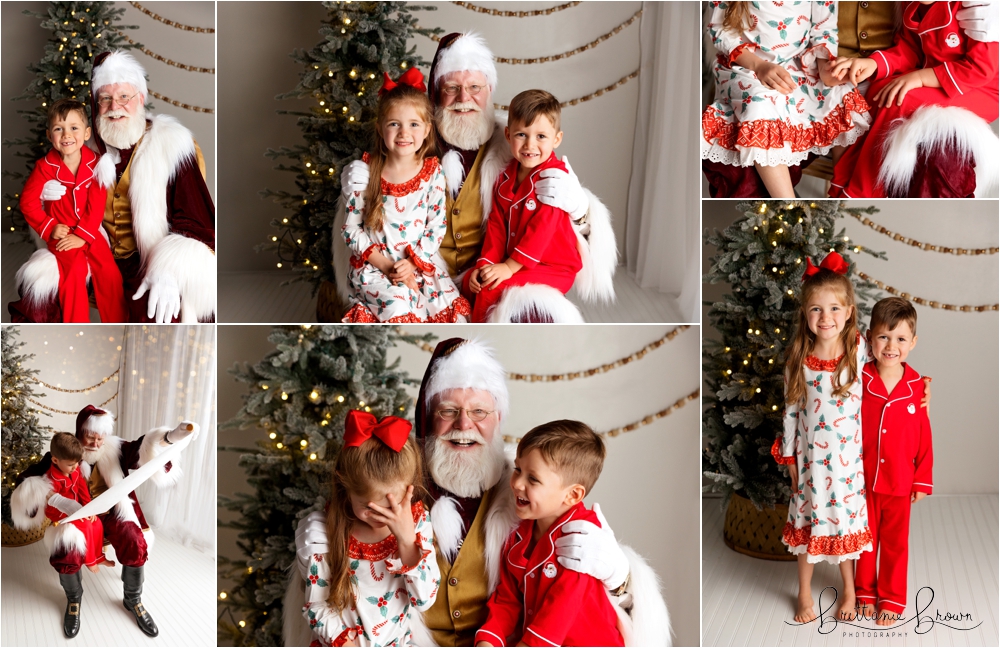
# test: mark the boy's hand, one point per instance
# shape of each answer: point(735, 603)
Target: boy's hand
point(494, 275)
point(926, 402)
point(853, 70)
point(474, 284)
point(92, 518)
point(896, 89)
point(60, 231)
point(917, 496)
point(826, 73)
point(70, 242)
point(397, 517)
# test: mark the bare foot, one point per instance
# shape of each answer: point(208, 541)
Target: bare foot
point(804, 610)
point(846, 612)
point(866, 611)
point(886, 618)
point(105, 563)
point(94, 568)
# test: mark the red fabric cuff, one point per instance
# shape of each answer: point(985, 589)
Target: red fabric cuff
point(367, 253)
point(84, 234)
point(483, 262)
point(529, 638)
point(523, 259)
point(947, 81)
point(920, 488)
point(881, 65)
point(776, 453)
point(422, 266)
point(735, 54)
point(486, 635)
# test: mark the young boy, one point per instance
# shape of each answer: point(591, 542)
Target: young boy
point(538, 602)
point(527, 241)
point(70, 493)
point(71, 226)
point(898, 457)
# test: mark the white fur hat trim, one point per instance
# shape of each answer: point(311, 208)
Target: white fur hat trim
point(103, 424)
point(471, 365)
point(120, 67)
point(468, 52)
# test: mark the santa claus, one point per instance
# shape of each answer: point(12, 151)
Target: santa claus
point(107, 460)
point(473, 152)
point(462, 403)
point(159, 217)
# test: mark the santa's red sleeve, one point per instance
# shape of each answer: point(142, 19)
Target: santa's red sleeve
point(505, 608)
point(190, 209)
point(978, 68)
point(906, 55)
point(90, 221)
point(33, 207)
point(923, 479)
point(495, 240)
point(543, 226)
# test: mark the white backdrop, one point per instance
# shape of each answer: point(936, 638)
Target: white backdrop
point(649, 485)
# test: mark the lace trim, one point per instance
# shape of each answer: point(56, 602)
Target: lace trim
point(386, 548)
point(844, 547)
point(430, 167)
point(422, 266)
point(776, 453)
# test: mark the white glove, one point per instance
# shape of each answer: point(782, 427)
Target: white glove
point(354, 178)
point(182, 432)
point(562, 190)
point(64, 504)
point(53, 190)
point(310, 538)
point(980, 20)
point(590, 550)
point(164, 297)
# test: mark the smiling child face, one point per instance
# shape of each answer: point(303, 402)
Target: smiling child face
point(826, 314)
point(404, 130)
point(68, 134)
point(892, 347)
point(532, 144)
point(539, 490)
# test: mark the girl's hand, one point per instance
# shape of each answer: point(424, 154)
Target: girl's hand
point(793, 473)
point(775, 77)
point(402, 270)
point(60, 231)
point(474, 284)
point(896, 89)
point(399, 519)
point(70, 242)
point(826, 73)
point(494, 275)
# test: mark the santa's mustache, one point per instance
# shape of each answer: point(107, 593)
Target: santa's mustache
point(464, 106)
point(113, 114)
point(463, 436)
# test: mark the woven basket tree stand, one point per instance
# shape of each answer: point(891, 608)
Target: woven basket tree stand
point(755, 533)
point(13, 537)
point(330, 308)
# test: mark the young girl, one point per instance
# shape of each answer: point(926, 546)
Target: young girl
point(932, 63)
point(821, 444)
point(773, 102)
point(396, 227)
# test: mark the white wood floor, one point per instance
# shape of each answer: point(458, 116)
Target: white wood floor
point(179, 593)
point(953, 549)
point(259, 297)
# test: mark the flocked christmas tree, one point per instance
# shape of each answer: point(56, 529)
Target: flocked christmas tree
point(300, 395)
point(23, 436)
point(341, 77)
point(762, 256)
point(80, 31)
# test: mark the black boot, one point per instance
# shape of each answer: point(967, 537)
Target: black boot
point(132, 580)
point(72, 584)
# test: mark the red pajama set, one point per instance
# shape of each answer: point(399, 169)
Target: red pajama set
point(538, 236)
point(74, 487)
point(82, 209)
point(898, 459)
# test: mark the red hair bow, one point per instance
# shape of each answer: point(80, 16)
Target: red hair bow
point(412, 77)
point(833, 262)
point(361, 426)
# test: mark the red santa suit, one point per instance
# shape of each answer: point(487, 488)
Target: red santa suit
point(541, 603)
point(538, 236)
point(898, 460)
point(966, 69)
point(82, 209)
point(73, 492)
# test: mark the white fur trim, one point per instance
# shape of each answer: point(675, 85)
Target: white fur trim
point(39, 278)
point(120, 67)
point(454, 172)
point(149, 449)
point(497, 157)
point(595, 281)
point(935, 126)
point(501, 520)
point(103, 424)
point(448, 527)
point(27, 502)
point(109, 460)
point(468, 52)
point(192, 264)
point(125, 511)
point(105, 169)
point(518, 303)
point(471, 365)
point(649, 616)
point(418, 629)
point(65, 538)
point(341, 253)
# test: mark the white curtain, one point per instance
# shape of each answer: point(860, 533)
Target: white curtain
point(168, 375)
point(662, 239)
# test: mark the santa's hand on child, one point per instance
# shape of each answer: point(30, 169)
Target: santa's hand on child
point(53, 190)
point(562, 190)
point(592, 550)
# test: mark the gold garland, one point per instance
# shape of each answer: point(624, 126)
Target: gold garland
point(929, 302)
point(180, 104)
point(515, 14)
point(163, 59)
point(923, 246)
point(59, 411)
point(638, 355)
point(572, 102)
point(681, 402)
point(558, 57)
point(76, 391)
point(165, 21)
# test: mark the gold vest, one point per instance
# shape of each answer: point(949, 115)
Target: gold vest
point(463, 239)
point(96, 484)
point(865, 27)
point(460, 608)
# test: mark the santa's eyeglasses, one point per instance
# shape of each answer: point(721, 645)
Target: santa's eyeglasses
point(452, 90)
point(452, 413)
point(104, 101)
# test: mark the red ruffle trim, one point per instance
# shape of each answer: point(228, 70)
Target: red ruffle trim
point(816, 364)
point(431, 165)
point(423, 554)
point(360, 314)
point(826, 545)
point(738, 51)
point(776, 453)
point(769, 134)
point(359, 263)
point(422, 266)
point(374, 551)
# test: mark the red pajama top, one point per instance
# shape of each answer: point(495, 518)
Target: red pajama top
point(525, 229)
point(81, 207)
point(72, 486)
point(540, 602)
point(896, 435)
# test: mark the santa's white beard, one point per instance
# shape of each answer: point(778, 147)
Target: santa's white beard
point(122, 133)
point(91, 456)
point(465, 472)
point(467, 131)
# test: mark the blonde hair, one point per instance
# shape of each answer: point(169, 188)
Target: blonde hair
point(737, 17)
point(401, 94)
point(804, 340)
point(361, 470)
point(571, 448)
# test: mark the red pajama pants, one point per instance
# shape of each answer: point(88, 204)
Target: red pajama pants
point(104, 276)
point(487, 299)
point(885, 584)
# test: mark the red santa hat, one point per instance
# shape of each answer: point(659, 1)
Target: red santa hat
point(94, 419)
point(458, 53)
point(461, 364)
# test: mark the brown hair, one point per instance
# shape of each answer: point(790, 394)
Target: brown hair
point(571, 448)
point(889, 312)
point(527, 106)
point(62, 108)
point(66, 446)
point(802, 343)
point(376, 160)
point(737, 16)
point(362, 470)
